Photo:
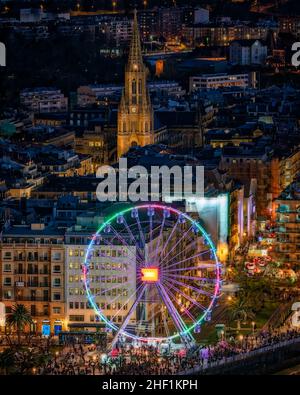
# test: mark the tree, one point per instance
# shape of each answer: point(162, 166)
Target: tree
point(7, 360)
point(19, 318)
point(240, 310)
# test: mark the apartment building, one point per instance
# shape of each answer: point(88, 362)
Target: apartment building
point(211, 34)
point(218, 81)
point(287, 247)
point(43, 100)
point(248, 52)
point(32, 274)
point(112, 278)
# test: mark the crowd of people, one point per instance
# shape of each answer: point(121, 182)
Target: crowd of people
point(78, 359)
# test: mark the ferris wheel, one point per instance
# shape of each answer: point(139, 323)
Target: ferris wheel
point(151, 273)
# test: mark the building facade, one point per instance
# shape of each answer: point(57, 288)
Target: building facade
point(112, 279)
point(32, 274)
point(248, 52)
point(287, 227)
point(217, 81)
point(43, 100)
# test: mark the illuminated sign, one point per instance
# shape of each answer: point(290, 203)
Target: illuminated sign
point(149, 274)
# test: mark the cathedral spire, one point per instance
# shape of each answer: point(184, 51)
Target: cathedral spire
point(135, 59)
point(135, 116)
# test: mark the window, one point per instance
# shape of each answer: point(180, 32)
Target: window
point(56, 310)
point(7, 295)
point(56, 256)
point(7, 267)
point(56, 269)
point(73, 265)
point(7, 255)
point(56, 282)
point(134, 87)
point(7, 281)
point(56, 296)
point(76, 318)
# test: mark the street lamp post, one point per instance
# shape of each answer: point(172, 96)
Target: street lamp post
point(253, 327)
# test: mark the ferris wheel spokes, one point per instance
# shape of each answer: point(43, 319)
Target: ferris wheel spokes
point(129, 231)
point(180, 305)
point(129, 314)
point(187, 297)
point(156, 276)
point(176, 244)
point(178, 321)
point(187, 259)
point(193, 288)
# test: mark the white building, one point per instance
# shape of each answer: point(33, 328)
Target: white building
point(43, 100)
point(218, 81)
point(248, 52)
point(112, 276)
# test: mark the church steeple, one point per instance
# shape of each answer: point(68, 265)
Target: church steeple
point(135, 117)
point(135, 59)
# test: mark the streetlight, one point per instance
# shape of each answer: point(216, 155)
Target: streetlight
point(222, 335)
point(241, 337)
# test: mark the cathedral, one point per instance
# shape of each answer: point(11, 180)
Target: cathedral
point(139, 125)
point(135, 116)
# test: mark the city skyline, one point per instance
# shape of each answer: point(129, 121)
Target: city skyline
point(197, 271)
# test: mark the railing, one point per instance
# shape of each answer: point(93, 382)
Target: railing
point(40, 314)
point(32, 299)
point(45, 285)
point(240, 357)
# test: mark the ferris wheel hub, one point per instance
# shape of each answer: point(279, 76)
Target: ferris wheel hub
point(150, 274)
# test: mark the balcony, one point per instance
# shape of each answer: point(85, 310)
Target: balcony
point(32, 271)
point(40, 314)
point(32, 299)
point(44, 285)
point(32, 284)
point(21, 271)
point(43, 258)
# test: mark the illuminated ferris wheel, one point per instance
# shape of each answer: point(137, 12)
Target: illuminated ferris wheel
point(151, 273)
